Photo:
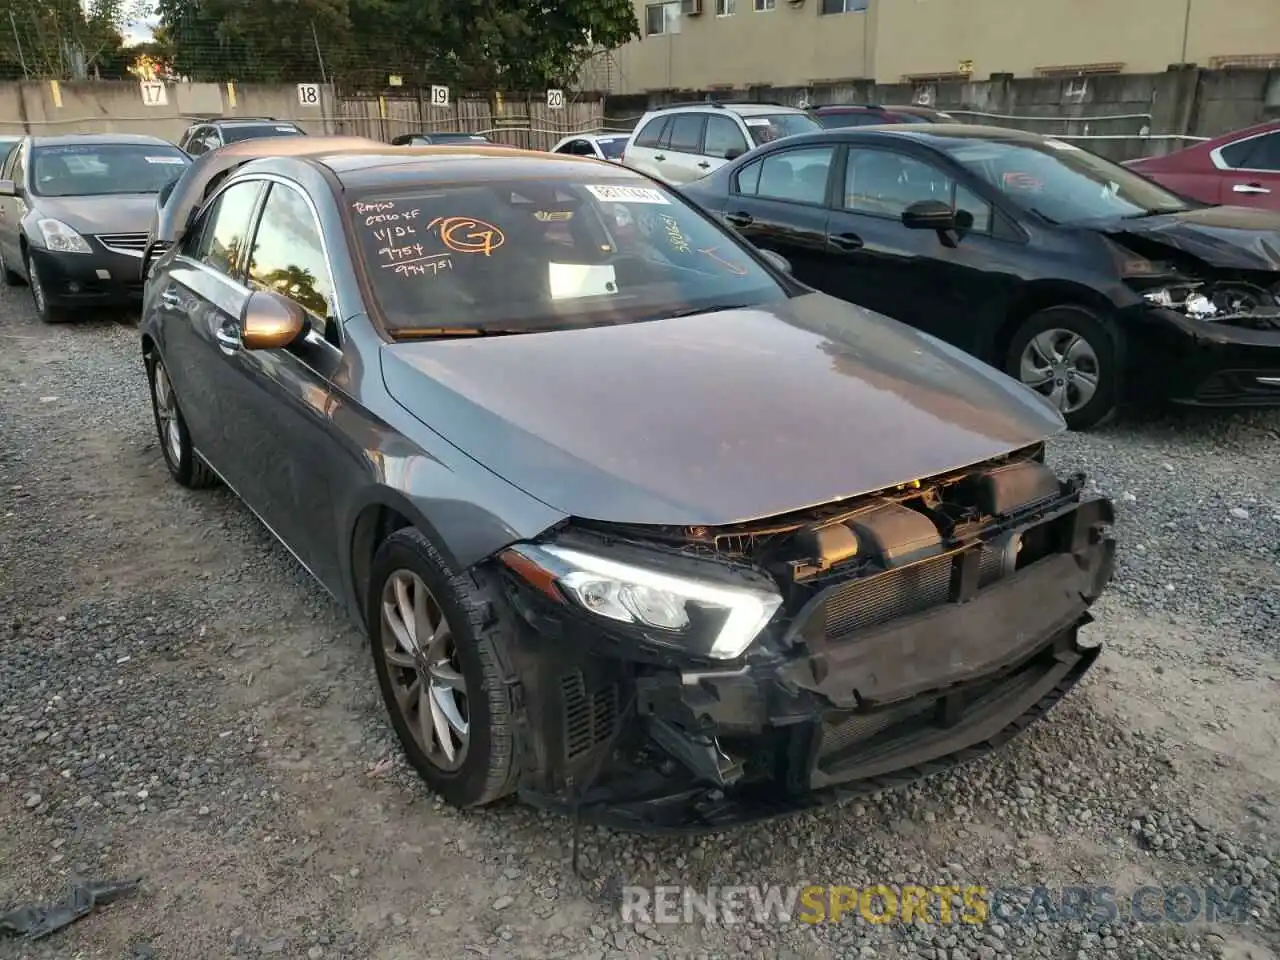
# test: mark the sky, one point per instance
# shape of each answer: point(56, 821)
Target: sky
point(139, 31)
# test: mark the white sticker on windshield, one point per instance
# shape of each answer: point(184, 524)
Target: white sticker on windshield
point(758, 122)
point(615, 194)
point(165, 160)
point(571, 281)
point(1061, 144)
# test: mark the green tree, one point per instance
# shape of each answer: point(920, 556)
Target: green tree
point(63, 39)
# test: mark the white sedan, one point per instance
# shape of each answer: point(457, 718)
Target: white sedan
point(602, 146)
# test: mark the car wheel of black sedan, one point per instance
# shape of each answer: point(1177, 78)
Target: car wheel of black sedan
point(175, 442)
point(438, 642)
point(1069, 355)
point(46, 312)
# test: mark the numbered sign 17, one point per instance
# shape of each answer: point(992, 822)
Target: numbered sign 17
point(309, 94)
point(439, 96)
point(154, 93)
point(555, 99)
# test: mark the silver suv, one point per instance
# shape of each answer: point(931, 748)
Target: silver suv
point(684, 141)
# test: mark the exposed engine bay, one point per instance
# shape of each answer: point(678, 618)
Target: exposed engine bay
point(920, 626)
point(1237, 302)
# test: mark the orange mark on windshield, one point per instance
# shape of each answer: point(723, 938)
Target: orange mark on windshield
point(737, 269)
point(467, 235)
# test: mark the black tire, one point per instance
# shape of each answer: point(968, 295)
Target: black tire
point(483, 631)
point(44, 310)
point(184, 464)
point(11, 278)
point(1103, 339)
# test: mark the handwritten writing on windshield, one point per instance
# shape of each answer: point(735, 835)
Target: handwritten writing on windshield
point(737, 269)
point(675, 236)
point(468, 235)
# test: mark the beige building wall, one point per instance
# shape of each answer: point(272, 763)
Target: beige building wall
point(894, 39)
point(784, 46)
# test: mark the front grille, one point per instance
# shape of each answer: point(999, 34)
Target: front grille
point(874, 600)
point(130, 244)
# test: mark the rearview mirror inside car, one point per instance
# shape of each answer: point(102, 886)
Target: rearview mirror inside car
point(929, 215)
point(778, 260)
point(8, 188)
point(270, 321)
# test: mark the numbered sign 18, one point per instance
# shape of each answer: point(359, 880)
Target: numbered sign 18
point(309, 94)
point(154, 93)
point(439, 96)
point(555, 99)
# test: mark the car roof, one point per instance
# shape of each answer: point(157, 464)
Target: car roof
point(742, 109)
point(932, 134)
point(399, 166)
point(913, 109)
point(87, 139)
point(244, 122)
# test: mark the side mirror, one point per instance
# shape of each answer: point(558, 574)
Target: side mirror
point(733, 153)
point(778, 260)
point(270, 322)
point(929, 215)
point(8, 188)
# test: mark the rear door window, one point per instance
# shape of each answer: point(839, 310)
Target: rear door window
point(685, 133)
point(650, 134)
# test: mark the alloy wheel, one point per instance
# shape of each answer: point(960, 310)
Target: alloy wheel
point(167, 412)
point(1061, 365)
point(422, 659)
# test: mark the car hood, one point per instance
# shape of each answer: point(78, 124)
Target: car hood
point(717, 418)
point(1235, 238)
point(120, 213)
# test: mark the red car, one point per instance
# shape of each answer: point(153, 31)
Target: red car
point(1240, 168)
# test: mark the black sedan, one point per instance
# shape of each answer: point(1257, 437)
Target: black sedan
point(74, 215)
point(582, 464)
point(1086, 281)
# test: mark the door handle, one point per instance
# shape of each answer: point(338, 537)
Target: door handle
point(846, 241)
point(740, 219)
point(658, 156)
point(704, 164)
point(228, 339)
point(1250, 188)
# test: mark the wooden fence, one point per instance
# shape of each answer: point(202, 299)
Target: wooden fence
point(518, 121)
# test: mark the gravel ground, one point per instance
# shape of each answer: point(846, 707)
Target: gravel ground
point(178, 702)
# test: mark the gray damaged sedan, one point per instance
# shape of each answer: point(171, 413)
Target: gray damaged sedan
point(638, 526)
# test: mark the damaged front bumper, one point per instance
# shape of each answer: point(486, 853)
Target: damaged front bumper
point(1199, 354)
point(966, 654)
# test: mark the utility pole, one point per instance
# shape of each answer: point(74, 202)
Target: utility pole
point(26, 75)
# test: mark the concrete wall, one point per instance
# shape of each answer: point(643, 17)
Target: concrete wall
point(1122, 110)
point(894, 40)
point(117, 107)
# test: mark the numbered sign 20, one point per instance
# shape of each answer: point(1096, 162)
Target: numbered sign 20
point(555, 99)
point(439, 96)
point(154, 94)
point(309, 94)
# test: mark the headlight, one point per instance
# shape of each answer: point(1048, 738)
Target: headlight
point(703, 617)
point(1186, 299)
point(60, 238)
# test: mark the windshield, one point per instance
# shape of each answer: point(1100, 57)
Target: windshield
point(253, 131)
point(1062, 182)
point(97, 169)
point(612, 147)
point(775, 126)
point(523, 255)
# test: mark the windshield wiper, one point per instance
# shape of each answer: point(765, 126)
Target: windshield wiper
point(449, 333)
point(696, 311)
point(1158, 212)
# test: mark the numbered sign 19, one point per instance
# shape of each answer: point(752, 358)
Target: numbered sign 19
point(154, 93)
point(309, 94)
point(439, 96)
point(555, 99)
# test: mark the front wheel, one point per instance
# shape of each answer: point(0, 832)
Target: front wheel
point(40, 299)
point(438, 640)
point(1070, 356)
